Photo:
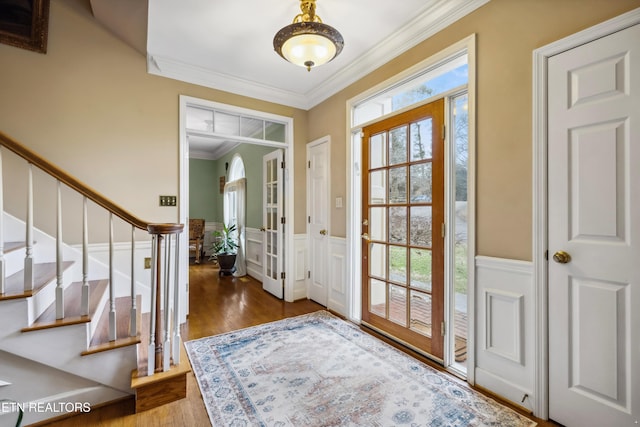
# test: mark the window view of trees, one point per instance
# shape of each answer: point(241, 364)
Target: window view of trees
point(405, 152)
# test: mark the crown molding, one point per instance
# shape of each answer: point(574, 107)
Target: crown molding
point(441, 14)
point(432, 20)
point(166, 67)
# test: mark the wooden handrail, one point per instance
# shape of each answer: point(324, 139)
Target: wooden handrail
point(70, 181)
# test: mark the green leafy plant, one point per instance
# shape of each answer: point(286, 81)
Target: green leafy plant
point(225, 241)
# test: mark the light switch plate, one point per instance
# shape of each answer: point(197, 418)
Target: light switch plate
point(168, 200)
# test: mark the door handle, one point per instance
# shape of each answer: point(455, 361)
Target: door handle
point(365, 236)
point(262, 229)
point(323, 232)
point(561, 257)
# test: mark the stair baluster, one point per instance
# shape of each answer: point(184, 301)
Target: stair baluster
point(133, 325)
point(166, 344)
point(28, 260)
point(59, 282)
point(176, 341)
point(151, 366)
point(112, 296)
point(85, 259)
point(160, 346)
point(2, 267)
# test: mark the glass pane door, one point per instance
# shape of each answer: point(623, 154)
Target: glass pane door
point(273, 227)
point(403, 216)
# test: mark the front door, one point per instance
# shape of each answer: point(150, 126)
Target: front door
point(402, 227)
point(594, 232)
point(273, 220)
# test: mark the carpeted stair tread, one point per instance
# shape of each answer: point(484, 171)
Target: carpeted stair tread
point(72, 306)
point(43, 273)
point(100, 341)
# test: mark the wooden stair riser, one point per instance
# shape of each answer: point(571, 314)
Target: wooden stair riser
point(162, 388)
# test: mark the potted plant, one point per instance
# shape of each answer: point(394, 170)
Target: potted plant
point(225, 248)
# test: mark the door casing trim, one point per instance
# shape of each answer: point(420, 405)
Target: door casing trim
point(353, 273)
point(540, 206)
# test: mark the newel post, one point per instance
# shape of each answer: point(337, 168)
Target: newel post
point(162, 261)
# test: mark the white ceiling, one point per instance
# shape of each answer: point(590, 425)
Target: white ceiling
point(228, 44)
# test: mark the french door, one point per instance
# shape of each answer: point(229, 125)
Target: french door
point(403, 227)
point(273, 212)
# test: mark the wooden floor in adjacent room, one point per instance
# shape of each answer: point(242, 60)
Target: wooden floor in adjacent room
point(216, 305)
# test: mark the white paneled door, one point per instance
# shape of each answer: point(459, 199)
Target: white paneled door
point(594, 232)
point(274, 223)
point(318, 219)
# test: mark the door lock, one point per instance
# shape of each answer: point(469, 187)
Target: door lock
point(323, 232)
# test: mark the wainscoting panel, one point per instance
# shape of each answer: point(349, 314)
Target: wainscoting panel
point(337, 275)
point(254, 241)
point(301, 267)
point(505, 329)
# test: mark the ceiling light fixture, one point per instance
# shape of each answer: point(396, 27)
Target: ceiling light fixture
point(307, 41)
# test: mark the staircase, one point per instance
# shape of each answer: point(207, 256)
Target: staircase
point(75, 331)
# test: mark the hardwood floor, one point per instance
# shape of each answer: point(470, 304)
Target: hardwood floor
point(216, 305)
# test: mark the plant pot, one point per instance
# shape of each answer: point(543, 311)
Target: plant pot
point(227, 264)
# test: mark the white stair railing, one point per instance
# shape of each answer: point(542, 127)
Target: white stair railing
point(2, 266)
point(133, 324)
point(112, 296)
point(28, 260)
point(85, 259)
point(164, 332)
point(59, 282)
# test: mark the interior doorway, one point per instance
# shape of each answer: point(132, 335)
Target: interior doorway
point(231, 125)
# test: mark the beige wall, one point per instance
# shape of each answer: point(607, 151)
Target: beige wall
point(507, 33)
point(90, 107)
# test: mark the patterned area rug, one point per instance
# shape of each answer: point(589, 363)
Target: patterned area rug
point(318, 370)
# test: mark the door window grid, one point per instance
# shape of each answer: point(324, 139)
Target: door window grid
point(404, 222)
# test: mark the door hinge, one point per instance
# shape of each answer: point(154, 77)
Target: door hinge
point(309, 274)
point(282, 165)
point(283, 220)
point(444, 131)
point(443, 328)
point(546, 255)
point(309, 220)
point(444, 230)
point(309, 164)
point(283, 275)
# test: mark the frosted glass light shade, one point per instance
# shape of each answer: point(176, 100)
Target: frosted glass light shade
point(308, 44)
point(308, 49)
